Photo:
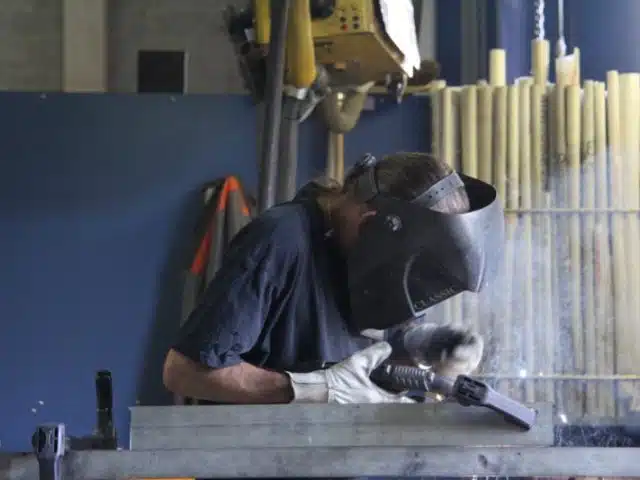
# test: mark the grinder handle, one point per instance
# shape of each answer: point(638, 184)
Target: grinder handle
point(465, 390)
point(49, 469)
point(400, 378)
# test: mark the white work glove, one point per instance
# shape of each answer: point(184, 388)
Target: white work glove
point(448, 350)
point(347, 381)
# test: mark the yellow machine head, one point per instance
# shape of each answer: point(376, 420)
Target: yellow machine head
point(349, 37)
point(357, 41)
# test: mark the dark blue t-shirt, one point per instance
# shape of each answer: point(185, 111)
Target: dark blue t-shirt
point(280, 298)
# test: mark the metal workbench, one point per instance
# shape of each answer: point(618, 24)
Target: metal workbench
point(334, 441)
point(341, 462)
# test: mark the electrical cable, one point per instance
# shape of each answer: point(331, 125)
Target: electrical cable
point(539, 20)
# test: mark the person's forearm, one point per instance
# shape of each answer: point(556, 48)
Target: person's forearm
point(242, 383)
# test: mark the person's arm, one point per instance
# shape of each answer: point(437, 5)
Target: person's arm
point(206, 361)
point(241, 383)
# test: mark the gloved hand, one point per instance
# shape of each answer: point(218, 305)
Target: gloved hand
point(448, 350)
point(347, 381)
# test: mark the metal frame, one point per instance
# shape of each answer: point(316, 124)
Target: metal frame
point(338, 462)
point(307, 441)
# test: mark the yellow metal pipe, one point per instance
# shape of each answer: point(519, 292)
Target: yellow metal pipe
point(627, 357)
point(588, 225)
point(262, 21)
point(573, 112)
point(342, 111)
point(540, 61)
point(301, 59)
point(604, 302)
point(497, 67)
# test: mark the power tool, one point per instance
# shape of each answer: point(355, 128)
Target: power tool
point(463, 389)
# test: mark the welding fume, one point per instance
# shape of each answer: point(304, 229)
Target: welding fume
point(323, 295)
point(562, 154)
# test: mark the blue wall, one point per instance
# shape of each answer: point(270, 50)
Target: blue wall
point(448, 39)
point(97, 198)
point(607, 34)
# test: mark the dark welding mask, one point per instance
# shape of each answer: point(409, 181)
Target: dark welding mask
point(409, 257)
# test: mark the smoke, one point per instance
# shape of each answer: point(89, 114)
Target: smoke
point(554, 321)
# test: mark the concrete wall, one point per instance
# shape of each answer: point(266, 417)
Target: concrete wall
point(35, 34)
point(30, 45)
point(84, 45)
point(32, 38)
point(194, 26)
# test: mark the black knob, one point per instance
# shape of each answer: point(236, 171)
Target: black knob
point(322, 8)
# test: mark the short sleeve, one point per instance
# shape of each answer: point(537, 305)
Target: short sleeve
point(231, 315)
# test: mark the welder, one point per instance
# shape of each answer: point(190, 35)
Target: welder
point(313, 280)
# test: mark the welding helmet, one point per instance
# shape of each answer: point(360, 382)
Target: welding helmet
point(409, 257)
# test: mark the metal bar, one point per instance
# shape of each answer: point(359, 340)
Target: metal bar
point(553, 377)
point(273, 104)
point(339, 462)
point(327, 414)
point(314, 426)
point(295, 435)
point(568, 211)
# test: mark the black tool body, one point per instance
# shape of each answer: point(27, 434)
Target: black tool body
point(49, 445)
point(105, 433)
point(465, 390)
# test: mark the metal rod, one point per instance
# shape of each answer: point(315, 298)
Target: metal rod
point(273, 104)
point(339, 462)
point(569, 211)
point(560, 377)
point(288, 161)
point(561, 44)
